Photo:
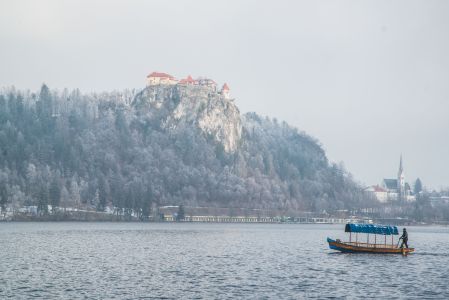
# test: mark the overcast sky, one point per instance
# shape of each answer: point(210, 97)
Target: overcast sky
point(368, 79)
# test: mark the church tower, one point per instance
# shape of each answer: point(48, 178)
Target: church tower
point(401, 181)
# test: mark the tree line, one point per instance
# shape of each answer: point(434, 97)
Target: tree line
point(65, 149)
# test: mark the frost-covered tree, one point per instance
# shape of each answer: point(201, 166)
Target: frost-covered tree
point(65, 198)
point(55, 194)
point(418, 186)
point(75, 198)
point(132, 150)
point(3, 196)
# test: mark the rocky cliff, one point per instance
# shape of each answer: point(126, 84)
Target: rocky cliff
point(178, 106)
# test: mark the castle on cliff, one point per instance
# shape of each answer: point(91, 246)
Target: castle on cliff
point(159, 78)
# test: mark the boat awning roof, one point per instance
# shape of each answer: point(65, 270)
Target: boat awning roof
point(372, 228)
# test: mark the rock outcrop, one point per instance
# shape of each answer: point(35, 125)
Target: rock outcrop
point(177, 106)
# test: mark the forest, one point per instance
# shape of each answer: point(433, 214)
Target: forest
point(63, 149)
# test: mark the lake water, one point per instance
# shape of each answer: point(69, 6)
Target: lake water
point(211, 261)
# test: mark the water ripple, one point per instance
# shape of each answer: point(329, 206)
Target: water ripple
point(210, 261)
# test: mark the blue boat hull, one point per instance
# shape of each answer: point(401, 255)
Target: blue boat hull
point(333, 246)
point(366, 248)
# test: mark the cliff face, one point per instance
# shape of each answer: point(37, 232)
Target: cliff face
point(179, 106)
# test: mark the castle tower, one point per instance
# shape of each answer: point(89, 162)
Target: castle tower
point(225, 91)
point(401, 181)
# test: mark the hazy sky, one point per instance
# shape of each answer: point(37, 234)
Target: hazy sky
point(369, 79)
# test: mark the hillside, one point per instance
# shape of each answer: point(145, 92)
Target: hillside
point(164, 145)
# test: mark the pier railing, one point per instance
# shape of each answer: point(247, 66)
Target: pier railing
point(253, 219)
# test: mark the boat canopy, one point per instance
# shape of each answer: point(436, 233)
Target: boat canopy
point(372, 228)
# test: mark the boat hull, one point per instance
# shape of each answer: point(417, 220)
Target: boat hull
point(367, 248)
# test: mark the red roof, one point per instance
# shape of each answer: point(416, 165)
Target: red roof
point(159, 74)
point(379, 189)
point(189, 79)
point(225, 87)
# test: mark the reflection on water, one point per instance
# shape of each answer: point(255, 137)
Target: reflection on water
point(134, 260)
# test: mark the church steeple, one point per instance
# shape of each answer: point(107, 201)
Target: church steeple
point(400, 166)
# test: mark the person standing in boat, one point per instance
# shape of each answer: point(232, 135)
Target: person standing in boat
point(404, 238)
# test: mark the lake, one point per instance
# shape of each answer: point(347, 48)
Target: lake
point(211, 261)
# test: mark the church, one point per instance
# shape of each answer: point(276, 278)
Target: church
point(393, 189)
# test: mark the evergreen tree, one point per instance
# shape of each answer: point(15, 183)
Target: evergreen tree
point(75, 197)
point(102, 194)
point(96, 200)
point(181, 213)
point(418, 186)
point(55, 195)
point(45, 103)
point(3, 197)
point(146, 205)
point(42, 200)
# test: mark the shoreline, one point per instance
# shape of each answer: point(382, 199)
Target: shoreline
point(172, 217)
point(39, 220)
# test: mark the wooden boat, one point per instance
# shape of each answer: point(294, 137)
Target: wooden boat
point(357, 246)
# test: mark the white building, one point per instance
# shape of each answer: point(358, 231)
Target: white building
point(157, 78)
point(377, 192)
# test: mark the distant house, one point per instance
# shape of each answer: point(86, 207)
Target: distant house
point(391, 186)
point(377, 192)
point(158, 78)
